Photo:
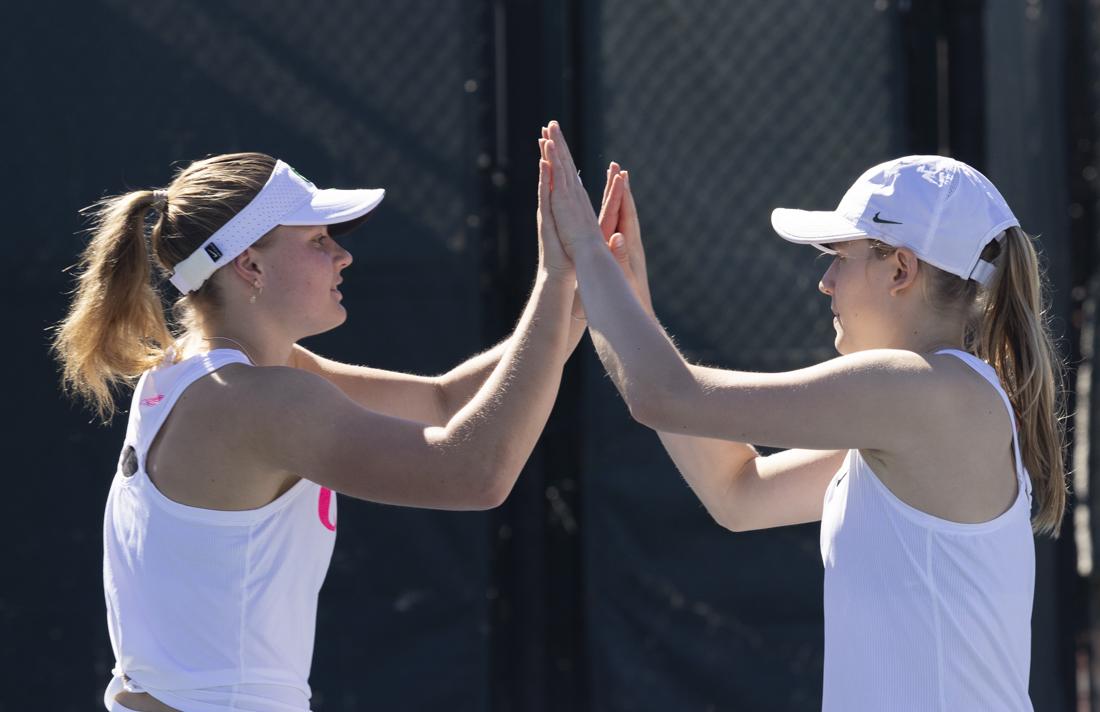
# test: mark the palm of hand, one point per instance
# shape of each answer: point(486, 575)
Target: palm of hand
point(573, 215)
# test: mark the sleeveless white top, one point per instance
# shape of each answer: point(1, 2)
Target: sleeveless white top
point(209, 610)
point(922, 613)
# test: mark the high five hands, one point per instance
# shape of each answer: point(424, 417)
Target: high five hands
point(567, 222)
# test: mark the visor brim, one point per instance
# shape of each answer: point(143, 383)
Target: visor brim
point(334, 206)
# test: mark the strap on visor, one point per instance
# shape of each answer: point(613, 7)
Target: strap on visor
point(284, 192)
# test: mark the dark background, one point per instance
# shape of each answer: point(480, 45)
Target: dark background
point(601, 584)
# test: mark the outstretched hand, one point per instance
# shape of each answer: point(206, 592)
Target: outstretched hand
point(573, 215)
point(626, 246)
point(610, 207)
point(618, 219)
point(552, 257)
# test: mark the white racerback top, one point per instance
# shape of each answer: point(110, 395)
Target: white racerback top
point(922, 613)
point(209, 610)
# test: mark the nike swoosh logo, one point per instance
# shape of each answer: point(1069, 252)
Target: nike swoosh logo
point(880, 220)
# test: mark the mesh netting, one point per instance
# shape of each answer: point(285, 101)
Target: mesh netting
point(722, 112)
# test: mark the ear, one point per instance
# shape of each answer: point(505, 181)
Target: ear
point(247, 266)
point(905, 267)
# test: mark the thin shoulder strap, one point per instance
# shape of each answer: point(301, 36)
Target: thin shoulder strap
point(986, 371)
point(193, 369)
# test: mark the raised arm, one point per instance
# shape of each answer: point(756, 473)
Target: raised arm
point(872, 400)
point(436, 399)
point(306, 425)
point(739, 488)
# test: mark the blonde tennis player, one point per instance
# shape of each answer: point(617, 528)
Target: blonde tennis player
point(221, 519)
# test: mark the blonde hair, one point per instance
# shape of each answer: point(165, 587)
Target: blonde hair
point(116, 327)
point(1008, 326)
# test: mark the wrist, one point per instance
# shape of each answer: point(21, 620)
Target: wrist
point(586, 247)
point(557, 277)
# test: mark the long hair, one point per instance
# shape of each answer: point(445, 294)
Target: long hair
point(116, 326)
point(1008, 326)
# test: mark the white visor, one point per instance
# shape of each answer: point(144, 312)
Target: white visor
point(286, 199)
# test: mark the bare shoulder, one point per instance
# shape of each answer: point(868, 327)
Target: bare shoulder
point(935, 398)
point(939, 379)
point(973, 399)
point(959, 465)
point(224, 425)
point(255, 390)
point(256, 407)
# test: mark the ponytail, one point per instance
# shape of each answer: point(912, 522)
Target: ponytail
point(115, 328)
point(1012, 333)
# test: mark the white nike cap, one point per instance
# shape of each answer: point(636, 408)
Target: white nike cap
point(286, 199)
point(942, 209)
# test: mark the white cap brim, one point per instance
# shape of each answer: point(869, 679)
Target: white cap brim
point(814, 227)
point(333, 205)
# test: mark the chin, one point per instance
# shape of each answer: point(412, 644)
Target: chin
point(336, 321)
point(321, 326)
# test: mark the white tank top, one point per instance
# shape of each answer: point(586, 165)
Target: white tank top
point(922, 613)
point(209, 610)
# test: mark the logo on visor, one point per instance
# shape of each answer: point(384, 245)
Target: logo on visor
point(213, 251)
point(295, 172)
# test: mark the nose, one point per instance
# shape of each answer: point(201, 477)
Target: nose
point(343, 257)
point(825, 286)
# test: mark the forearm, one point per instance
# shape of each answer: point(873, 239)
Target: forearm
point(459, 385)
point(642, 361)
point(505, 416)
point(709, 466)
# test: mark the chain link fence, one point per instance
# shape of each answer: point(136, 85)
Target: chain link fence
point(722, 112)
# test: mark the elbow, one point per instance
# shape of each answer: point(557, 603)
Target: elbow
point(648, 406)
point(444, 411)
point(664, 401)
point(498, 474)
point(732, 514)
point(492, 498)
point(731, 521)
point(493, 492)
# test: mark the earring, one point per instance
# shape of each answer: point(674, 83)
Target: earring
point(256, 285)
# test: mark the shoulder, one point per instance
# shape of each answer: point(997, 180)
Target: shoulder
point(906, 367)
point(257, 394)
point(895, 370)
point(939, 392)
point(935, 387)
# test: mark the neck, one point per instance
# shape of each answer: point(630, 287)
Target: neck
point(261, 348)
point(928, 333)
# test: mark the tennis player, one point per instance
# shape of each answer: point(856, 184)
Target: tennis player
point(920, 448)
point(221, 519)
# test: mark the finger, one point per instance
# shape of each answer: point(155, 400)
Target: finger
point(611, 212)
point(564, 155)
point(628, 216)
point(565, 182)
point(617, 245)
point(612, 171)
point(545, 176)
point(542, 149)
point(628, 209)
point(612, 194)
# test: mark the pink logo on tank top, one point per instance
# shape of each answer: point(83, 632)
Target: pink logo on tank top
point(152, 401)
point(324, 508)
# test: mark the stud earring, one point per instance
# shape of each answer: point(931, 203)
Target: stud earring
point(256, 285)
